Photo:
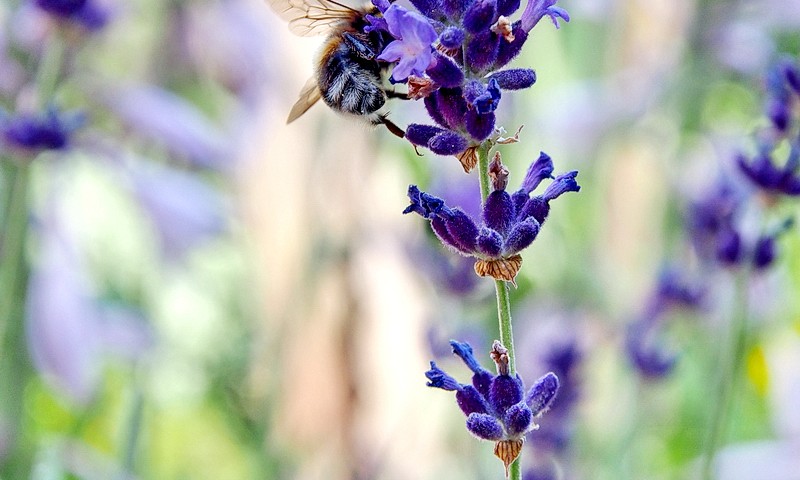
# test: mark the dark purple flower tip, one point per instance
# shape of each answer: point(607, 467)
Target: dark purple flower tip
point(421, 134)
point(499, 212)
point(535, 207)
point(439, 226)
point(429, 8)
point(439, 379)
point(448, 143)
point(515, 78)
point(92, 17)
point(447, 107)
point(764, 252)
point(518, 419)
point(507, 7)
point(649, 361)
point(484, 426)
point(536, 9)
point(462, 229)
point(779, 113)
point(479, 126)
point(490, 243)
point(464, 351)
point(521, 236)
point(471, 401)
point(562, 184)
point(451, 38)
point(411, 51)
point(542, 393)
point(423, 203)
point(729, 247)
point(48, 132)
point(445, 72)
point(792, 74)
point(482, 50)
point(62, 8)
point(480, 15)
point(675, 290)
point(487, 101)
point(539, 170)
point(504, 392)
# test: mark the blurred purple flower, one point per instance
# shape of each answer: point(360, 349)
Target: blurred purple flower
point(34, 133)
point(161, 116)
point(89, 14)
point(240, 54)
point(185, 210)
point(69, 333)
point(672, 292)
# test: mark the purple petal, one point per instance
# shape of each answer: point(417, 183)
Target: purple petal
point(542, 393)
point(490, 243)
point(484, 426)
point(504, 392)
point(521, 236)
point(518, 419)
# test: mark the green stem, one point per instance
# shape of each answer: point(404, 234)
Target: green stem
point(728, 381)
point(134, 429)
point(15, 367)
point(501, 290)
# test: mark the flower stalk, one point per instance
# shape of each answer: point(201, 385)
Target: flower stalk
point(501, 291)
point(732, 358)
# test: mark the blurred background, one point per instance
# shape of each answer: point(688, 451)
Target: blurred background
point(204, 292)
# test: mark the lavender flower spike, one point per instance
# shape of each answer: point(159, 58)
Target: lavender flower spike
point(510, 222)
point(495, 408)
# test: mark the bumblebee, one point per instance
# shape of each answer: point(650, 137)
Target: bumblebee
point(348, 74)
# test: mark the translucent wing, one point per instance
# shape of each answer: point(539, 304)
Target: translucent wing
point(313, 17)
point(308, 97)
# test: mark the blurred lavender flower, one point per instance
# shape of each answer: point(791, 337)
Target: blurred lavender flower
point(177, 125)
point(239, 56)
point(185, 210)
point(496, 406)
point(510, 222)
point(672, 292)
point(88, 14)
point(31, 133)
point(69, 333)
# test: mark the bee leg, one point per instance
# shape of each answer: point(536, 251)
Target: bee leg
point(359, 46)
point(400, 95)
point(384, 120)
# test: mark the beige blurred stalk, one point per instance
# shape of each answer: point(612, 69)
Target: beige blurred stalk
point(339, 355)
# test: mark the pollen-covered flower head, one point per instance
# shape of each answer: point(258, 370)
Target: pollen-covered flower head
point(510, 222)
point(496, 406)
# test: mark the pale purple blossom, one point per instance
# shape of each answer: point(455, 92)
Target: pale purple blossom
point(412, 48)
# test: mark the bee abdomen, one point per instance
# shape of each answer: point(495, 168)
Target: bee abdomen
point(349, 84)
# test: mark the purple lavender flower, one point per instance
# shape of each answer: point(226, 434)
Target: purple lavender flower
point(475, 41)
point(158, 115)
point(672, 292)
point(184, 210)
point(412, 48)
point(86, 13)
point(510, 224)
point(35, 133)
point(766, 174)
point(496, 406)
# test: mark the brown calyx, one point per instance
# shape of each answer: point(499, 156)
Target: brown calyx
point(508, 451)
point(505, 269)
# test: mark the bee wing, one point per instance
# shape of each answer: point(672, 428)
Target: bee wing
point(312, 17)
point(308, 97)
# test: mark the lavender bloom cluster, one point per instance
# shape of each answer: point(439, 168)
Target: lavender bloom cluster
point(772, 176)
point(31, 133)
point(451, 54)
point(496, 406)
point(672, 292)
point(511, 222)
